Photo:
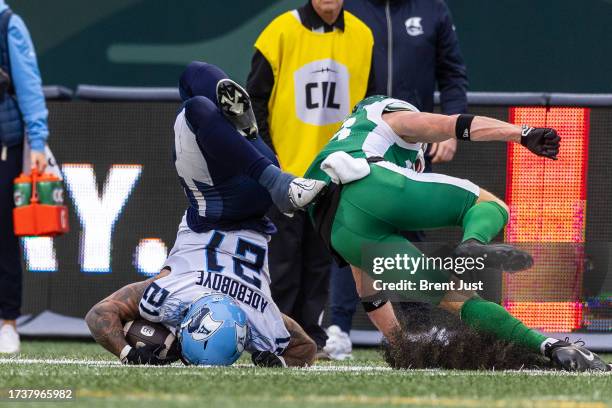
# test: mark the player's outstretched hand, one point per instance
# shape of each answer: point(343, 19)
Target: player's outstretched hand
point(541, 141)
point(146, 355)
point(267, 359)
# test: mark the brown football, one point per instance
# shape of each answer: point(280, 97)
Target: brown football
point(139, 333)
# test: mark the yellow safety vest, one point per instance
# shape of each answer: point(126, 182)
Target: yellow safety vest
point(318, 78)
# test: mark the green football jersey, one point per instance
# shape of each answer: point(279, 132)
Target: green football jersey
point(365, 134)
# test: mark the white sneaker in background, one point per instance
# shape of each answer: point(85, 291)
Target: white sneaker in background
point(9, 340)
point(338, 346)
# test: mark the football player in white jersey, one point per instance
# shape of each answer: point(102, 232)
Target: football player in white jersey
point(273, 339)
point(230, 179)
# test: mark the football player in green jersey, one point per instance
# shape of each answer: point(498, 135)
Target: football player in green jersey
point(376, 191)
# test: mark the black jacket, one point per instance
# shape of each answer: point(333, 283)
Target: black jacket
point(415, 47)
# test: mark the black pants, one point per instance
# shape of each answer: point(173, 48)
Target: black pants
point(299, 269)
point(10, 257)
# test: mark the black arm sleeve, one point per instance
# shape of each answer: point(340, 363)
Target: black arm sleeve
point(450, 68)
point(259, 86)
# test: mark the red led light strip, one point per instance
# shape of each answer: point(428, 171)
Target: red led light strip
point(547, 202)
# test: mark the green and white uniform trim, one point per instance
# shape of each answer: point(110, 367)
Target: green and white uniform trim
point(431, 177)
point(393, 197)
point(369, 213)
point(365, 134)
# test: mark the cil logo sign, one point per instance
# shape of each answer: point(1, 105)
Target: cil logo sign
point(322, 92)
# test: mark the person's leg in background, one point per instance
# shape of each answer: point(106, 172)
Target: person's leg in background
point(10, 259)
point(314, 287)
point(344, 301)
point(285, 260)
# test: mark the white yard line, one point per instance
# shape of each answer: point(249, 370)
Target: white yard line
point(111, 363)
point(30, 361)
point(316, 368)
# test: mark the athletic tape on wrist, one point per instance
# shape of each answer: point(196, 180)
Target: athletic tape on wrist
point(124, 353)
point(373, 302)
point(463, 127)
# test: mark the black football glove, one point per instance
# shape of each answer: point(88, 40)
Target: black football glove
point(267, 359)
point(146, 355)
point(174, 352)
point(541, 141)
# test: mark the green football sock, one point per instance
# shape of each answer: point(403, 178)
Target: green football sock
point(483, 221)
point(490, 317)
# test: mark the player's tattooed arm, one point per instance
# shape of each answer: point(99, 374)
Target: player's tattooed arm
point(302, 349)
point(106, 319)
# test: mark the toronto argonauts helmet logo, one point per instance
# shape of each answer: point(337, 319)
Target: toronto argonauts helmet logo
point(202, 326)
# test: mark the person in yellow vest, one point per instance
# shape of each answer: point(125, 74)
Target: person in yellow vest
point(311, 66)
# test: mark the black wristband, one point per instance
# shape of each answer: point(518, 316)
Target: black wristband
point(371, 303)
point(463, 126)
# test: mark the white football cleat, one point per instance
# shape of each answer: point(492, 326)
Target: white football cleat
point(9, 340)
point(303, 192)
point(338, 345)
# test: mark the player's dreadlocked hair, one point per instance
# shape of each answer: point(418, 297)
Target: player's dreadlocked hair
point(448, 343)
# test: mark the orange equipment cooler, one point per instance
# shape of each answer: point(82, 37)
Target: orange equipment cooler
point(39, 209)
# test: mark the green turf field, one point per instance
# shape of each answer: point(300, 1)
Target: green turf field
point(363, 382)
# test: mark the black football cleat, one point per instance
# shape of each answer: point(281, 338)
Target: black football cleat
point(497, 256)
point(235, 104)
point(574, 357)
